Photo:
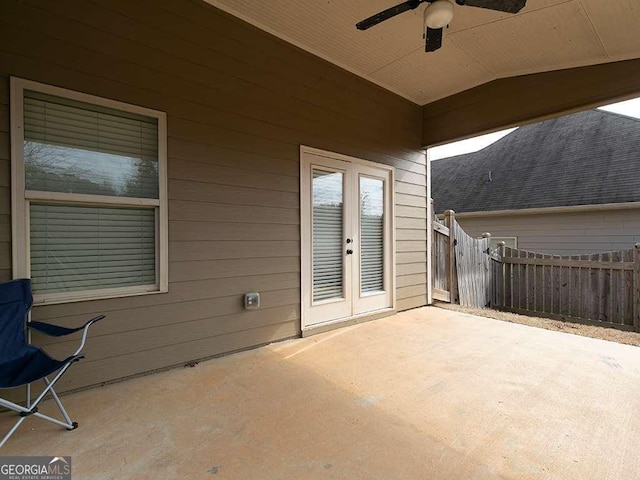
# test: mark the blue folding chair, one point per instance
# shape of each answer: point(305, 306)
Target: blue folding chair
point(22, 363)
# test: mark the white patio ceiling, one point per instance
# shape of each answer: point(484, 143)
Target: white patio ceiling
point(479, 46)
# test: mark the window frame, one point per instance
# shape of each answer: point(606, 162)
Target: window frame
point(21, 198)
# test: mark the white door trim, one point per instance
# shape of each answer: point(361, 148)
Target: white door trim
point(306, 156)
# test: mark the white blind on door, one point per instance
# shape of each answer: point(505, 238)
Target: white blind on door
point(371, 235)
point(87, 248)
point(327, 235)
point(74, 147)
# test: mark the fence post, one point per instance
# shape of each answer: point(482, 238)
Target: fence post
point(449, 221)
point(636, 288)
point(487, 271)
point(500, 301)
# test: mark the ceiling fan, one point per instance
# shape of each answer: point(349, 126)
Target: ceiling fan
point(438, 14)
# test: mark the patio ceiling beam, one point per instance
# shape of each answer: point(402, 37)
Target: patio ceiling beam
point(520, 100)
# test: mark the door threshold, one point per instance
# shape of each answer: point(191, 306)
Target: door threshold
point(346, 322)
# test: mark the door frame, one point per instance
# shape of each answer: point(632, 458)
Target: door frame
point(306, 235)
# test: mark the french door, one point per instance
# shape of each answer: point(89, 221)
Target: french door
point(347, 237)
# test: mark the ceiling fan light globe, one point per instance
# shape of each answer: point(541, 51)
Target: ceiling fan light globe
point(438, 14)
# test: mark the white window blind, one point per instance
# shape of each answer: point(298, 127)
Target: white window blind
point(75, 147)
point(328, 238)
point(89, 178)
point(75, 248)
point(371, 235)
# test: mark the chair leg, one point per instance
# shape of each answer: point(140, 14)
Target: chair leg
point(12, 431)
point(71, 425)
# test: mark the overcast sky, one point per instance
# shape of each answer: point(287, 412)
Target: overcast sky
point(630, 108)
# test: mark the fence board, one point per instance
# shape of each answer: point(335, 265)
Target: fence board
point(515, 280)
point(565, 291)
point(585, 304)
point(539, 276)
point(499, 282)
point(636, 287)
point(605, 294)
point(507, 298)
point(523, 282)
point(576, 298)
point(617, 283)
point(628, 290)
point(547, 284)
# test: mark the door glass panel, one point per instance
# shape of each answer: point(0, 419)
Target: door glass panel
point(371, 235)
point(328, 259)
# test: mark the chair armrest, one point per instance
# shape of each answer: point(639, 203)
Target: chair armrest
point(58, 331)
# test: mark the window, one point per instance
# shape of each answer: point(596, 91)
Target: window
point(89, 195)
point(511, 242)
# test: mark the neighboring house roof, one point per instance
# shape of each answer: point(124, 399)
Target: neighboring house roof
point(587, 158)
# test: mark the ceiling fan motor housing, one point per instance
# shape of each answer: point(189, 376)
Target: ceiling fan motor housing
point(438, 14)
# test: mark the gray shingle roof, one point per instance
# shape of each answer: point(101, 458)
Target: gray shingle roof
point(587, 158)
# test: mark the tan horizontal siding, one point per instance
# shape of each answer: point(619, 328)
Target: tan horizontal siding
point(411, 258)
point(213, 212)
point(278, 306)
point(215, 155)
point(411, 200)
point(180, 230)
point(413, 234)
point(410, 291)
point(5, 255)
point(409, 246)
point(239, 104)
point(204, 269)
point(203, 192)
point(182, 294)
point(564, 233)
point(411, 280)
point(411, 189)
point(215, 174)
point(412, 302)
point(5, 164)
point(203, 250)
point(87, 373)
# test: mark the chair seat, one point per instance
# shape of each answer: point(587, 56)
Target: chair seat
point(32, 365)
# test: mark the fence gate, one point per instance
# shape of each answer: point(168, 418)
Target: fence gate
point(473, 268)
point(441, 263)
point(461, 270)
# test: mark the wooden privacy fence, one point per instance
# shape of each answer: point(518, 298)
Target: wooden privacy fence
point(472, 268)
point(602, 288)
point(461, 270)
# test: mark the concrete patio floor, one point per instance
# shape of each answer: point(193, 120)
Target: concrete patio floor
point(425, 394)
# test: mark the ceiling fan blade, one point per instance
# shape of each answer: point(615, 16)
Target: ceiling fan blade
point(433, 39)
point(388, 13)
point(509, 6)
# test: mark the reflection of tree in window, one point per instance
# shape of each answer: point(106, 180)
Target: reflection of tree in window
point(47, 168)
point(144, 179)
